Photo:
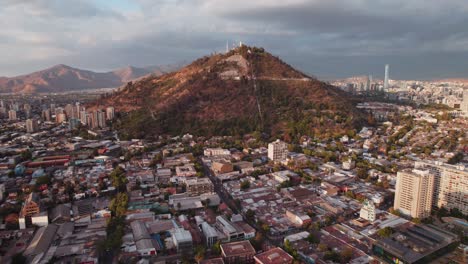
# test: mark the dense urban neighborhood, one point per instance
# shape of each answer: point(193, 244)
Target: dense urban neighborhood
point(71, 191)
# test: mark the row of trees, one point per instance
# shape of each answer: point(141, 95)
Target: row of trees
point(116, 223)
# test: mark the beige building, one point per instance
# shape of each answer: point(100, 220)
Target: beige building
point(198, 186)
point(12, 115)
point(413, 195)
point(31, 125)
point(450, 184)
point(464, 104)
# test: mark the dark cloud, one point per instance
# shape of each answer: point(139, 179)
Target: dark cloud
point(333, 38)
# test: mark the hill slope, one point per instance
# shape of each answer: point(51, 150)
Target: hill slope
point(243, 91)
point(62, 78)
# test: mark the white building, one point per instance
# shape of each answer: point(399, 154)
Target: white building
point(110, 113)
point(368, 211)
point(211, 236)
point(277, 151)
point(182, 240)
point(216, 152)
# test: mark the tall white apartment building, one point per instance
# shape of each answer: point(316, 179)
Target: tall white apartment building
point(277, 151)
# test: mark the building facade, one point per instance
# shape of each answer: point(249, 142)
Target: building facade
point(413, 196)
point(450, 184)
point(277, 151)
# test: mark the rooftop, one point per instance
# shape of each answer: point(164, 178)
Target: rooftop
point(237, 248)
point(274, 256)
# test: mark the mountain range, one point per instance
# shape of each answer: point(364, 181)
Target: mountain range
point(239, 92)
point(63, 78)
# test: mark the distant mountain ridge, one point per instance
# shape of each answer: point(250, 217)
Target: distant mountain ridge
point(63, 78)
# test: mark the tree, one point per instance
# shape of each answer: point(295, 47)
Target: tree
point(18, 259)
point(385, 232)
point(118, 205)
point(199, 253)
point(456, 158)
point(346, 255)
point(118, 178)
point(250, 215)
point(395, 212)
point(216, 249)
point(313, 239)
point(322, 247)
point(26, 155)
point(332, 256)
point(362, 173)
point(245, 185)
point(43, 180)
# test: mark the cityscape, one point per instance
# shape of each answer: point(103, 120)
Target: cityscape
point(233, 156)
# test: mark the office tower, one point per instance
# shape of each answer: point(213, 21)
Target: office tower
point(413, 196)
point(110, 113)
point(31, 125)
point(46, 116)
point(277, 151)
point(12, 115)
point(385, 87)
point(450, 184)
point(2, 103)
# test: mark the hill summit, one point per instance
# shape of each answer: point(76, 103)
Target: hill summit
point(242, 91)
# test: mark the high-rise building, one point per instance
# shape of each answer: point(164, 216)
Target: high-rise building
point(73, 123)
point(385, 87)
point(52, 108)
point(413, 196)
point(277, 151)
point(110, 113)
point(46, 116)
point(27, 110)
point(368, 211)
point(450, 184)
point(12, 115)
point(15, 106)
point(3, 111)
point(69, 110)
point(60, 118)
point(84, 117)
point(31, 125)
point(464, 104)
point(101, 119)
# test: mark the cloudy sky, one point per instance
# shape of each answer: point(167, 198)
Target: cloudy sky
point(420, 39)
